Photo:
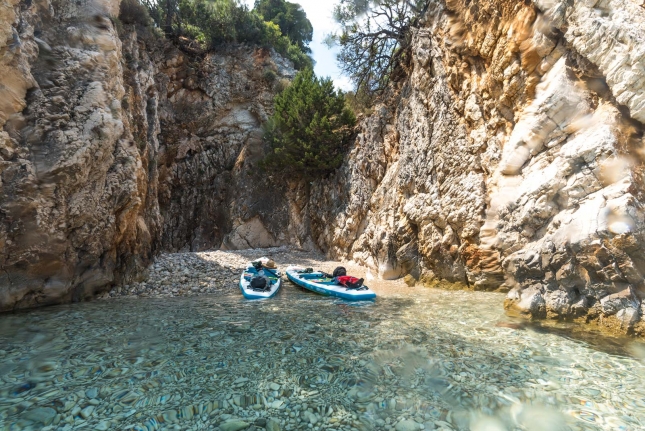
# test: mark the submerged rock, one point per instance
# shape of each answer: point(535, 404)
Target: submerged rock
point(407, 425)
point(42, 415)
point(233, 425)
point(272, 425)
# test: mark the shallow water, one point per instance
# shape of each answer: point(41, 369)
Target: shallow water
point(444, 359)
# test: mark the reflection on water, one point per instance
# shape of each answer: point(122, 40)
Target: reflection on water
point(436, 360)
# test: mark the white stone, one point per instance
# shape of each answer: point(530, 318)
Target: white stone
point(407, 425)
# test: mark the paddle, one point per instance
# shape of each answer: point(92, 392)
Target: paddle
point(270, 272)
point(258, 265)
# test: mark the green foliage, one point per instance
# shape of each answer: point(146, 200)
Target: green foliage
point(271, 36)
point(301, 61)
point(360, 101)
point(133, 12)
point(310, 128)
point(165, 14)
point(291, 19)
point(269, 76)
point(375, 38)
point(195, 33)
point(216, 22)
point(280, 85)
point(118, 25)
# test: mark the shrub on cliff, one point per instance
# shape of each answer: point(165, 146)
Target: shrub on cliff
point(310, 128)
point(216, 22)
point(360, 101)
point(133, 12)
point(271, 36)
point(291, 19)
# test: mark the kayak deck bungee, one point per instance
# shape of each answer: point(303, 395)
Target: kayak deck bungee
point(322, 284)
point(272, 275)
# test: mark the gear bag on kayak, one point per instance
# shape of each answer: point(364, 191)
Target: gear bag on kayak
point(339, 272)
point(349, 281)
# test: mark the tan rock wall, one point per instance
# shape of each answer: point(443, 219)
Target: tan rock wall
point(70, 178)
point(511, 157)
point(116, 146)
point(211, 109)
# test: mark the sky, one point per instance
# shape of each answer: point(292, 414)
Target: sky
point(319, 13)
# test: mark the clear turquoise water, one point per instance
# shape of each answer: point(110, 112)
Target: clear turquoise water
point(445, 360)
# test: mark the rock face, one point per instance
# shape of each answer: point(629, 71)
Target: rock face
point(72, 182)
point(115, 145)
point(202, 116)
point(512, 157)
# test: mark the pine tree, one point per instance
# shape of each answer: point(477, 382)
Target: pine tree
point(310, 128)
point(375, 39)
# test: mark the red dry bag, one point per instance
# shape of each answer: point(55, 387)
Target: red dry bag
point(347, 280)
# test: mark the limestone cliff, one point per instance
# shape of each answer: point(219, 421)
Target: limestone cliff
point(511, 157)
point(115, 145)
point(202, 115)
point(72, 182)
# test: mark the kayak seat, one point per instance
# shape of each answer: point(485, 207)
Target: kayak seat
point(311, 275)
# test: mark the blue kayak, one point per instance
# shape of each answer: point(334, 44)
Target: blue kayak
point(320, 283)
point(272, 276)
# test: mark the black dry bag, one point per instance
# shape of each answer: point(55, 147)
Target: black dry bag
point(258, 283)
point(339, 272)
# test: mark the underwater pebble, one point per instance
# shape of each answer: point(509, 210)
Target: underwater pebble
point(407, 425)
point(87, 412)
point(233, 425)
point(272, 425)
point(43, 415)
point(102, 426)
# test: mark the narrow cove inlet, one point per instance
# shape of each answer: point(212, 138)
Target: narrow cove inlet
point(308, 215)
point(200, 357)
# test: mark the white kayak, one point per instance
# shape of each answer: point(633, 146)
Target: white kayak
point(324, 285)
point(272, 281)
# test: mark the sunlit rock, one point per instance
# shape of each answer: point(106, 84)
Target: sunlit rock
point(528, 301)
point(487, 423)
point(514, 174)
point(538, 418)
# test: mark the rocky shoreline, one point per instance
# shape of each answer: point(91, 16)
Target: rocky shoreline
point(211, 272)
point(191, 274)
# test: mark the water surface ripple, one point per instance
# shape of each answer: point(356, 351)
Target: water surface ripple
point(432, 360)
